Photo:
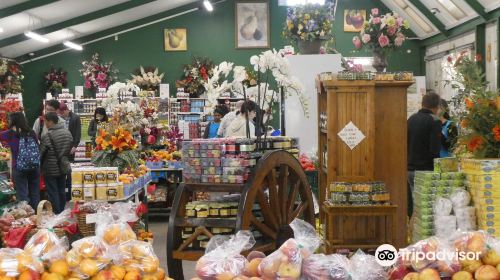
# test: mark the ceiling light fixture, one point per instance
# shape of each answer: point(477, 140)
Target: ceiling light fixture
point(208, 5)
point(36, 36)
point(72, 45)
point(1, 29)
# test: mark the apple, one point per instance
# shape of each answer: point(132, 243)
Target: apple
point(288, 270)
point(398, 273)
point(462, 275)
point(429, 274)
point(476, 243)
point(252, 268)
point(411, 276)
point(487, 272)
point(255, 254)
point(470, 265)
point(491, 258)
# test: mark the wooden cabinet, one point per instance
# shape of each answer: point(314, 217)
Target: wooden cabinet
point(378, 110)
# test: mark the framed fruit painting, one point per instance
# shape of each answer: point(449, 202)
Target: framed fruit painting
point(175, 39)
point(354, 20)
point(252, 24)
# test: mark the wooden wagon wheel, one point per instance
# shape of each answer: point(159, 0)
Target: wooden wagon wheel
point(278, 185)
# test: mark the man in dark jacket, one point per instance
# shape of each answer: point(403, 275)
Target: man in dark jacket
point(55, 148)
point(424, 141)
point(73, 123)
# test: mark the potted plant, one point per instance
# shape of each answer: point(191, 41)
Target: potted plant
point(309, 26)
point(382, 34)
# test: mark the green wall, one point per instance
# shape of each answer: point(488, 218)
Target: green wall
point(210, 35)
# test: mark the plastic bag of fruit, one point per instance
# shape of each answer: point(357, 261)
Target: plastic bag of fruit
point(366, 267)
point(113, 231)
point(138, 255)
point(286, 262)
point(15, 261)
point(87, 257)
point(320, 266)
point(46, 245)
point(222, 259)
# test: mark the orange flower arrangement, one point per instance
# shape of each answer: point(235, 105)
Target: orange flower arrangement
point(468, 103)
point(115, 147)
point(119, 141)
point(475, 143)
point(496, 132)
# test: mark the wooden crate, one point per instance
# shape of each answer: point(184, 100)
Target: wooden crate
point(359, 227)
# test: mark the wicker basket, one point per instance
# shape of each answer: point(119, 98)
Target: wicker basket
point(43, 206)
point(85, 229)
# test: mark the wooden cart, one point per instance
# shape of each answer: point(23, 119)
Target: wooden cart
point(277, 184)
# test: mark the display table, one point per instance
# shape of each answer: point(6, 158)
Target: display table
point(377, 109)
point(380, 227)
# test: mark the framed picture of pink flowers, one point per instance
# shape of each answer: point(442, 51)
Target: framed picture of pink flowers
point(354, 20)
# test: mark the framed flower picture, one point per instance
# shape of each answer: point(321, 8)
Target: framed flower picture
point(252, 24)
point(175, 39)
point(354, 20)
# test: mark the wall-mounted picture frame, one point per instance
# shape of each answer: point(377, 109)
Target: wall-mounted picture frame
point(354, 20)
point(175, 39)
point(252, 24)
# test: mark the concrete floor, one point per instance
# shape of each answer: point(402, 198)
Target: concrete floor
point(159, 228)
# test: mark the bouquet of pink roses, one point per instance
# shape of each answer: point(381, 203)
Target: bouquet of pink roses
point(382, 32)
point(97, 74)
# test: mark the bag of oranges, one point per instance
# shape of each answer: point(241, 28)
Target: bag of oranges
point(114, 231)
point(88, 257)
point(139, 259)
point(14, 261)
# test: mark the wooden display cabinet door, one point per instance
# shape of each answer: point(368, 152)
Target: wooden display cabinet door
point(354, 102)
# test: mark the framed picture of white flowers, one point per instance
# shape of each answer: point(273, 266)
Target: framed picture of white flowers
point(252, 24)
point(175, 39)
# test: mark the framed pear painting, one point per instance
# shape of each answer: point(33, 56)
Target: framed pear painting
point(252, 24)
point(175, 39)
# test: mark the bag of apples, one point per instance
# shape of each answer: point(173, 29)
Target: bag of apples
point(87, 257)
point(320, 266)
point(286, 262)
point(222, 259)
point(113, 228)
point(47, 246)
point(14, 262)
point(139, 260)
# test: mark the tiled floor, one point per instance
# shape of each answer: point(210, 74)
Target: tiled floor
point(159, 228)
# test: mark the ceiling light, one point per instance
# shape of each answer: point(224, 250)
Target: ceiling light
point(418, 20)
point(208, 5)
point(1, 29)
point(72, 45)
point(454, 10)
point(36, 36)
point(435, 11)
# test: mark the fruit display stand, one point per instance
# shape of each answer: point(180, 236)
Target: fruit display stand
point(278, 175)
point(371, 115)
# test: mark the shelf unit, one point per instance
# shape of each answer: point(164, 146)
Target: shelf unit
point(378, 109)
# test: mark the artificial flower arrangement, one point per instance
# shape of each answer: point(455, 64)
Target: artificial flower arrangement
point(8, 106)
point(195, 74)
point(10, 77)
point(147, 78)
point(152, 128)
point(97, 74)
point(309, 22)
point(476, 109)
point(115, 146)
point(382, 32)
point(55, 79)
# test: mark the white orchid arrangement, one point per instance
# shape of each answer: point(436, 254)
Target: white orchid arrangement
point(148, 79)
point(218, 84)
point(114, 92)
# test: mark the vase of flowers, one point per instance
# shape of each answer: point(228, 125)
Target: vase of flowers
point(195, 75)
point(116, 147)
point(55, 81)
point(147, 79)
point(382, 34)
point(309, 26)
point(97, 74)
point(10, 77)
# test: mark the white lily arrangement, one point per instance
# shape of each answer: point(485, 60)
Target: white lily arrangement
point(147, 80)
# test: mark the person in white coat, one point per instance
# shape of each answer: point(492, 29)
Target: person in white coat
point(228, 118)
point(238, 127)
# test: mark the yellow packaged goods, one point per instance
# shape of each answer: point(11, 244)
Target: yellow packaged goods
point(88, 176)
point(112, 175)
point(100, 176)
point(77, 192)
point(115, 191)
point(77, 177)
point(89, 193)
point(101, 191)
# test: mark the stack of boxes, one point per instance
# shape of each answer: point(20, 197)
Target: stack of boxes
point(358, 194)
point(428, 186)
point(484, 179)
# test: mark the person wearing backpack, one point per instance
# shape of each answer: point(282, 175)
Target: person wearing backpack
point(55, 148)
point(23, 144)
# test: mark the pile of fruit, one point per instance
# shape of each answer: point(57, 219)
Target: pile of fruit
point(469, 255)
point(307, 163)
point(165, 155)
point(129, 176)
point(115, 255)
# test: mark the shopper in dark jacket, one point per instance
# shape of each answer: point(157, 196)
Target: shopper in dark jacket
point(26, 182)
point(100, 116)
point(424, 140)
point(72, 123)
point(55, 149)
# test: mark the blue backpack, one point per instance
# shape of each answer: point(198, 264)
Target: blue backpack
point(28, 157)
